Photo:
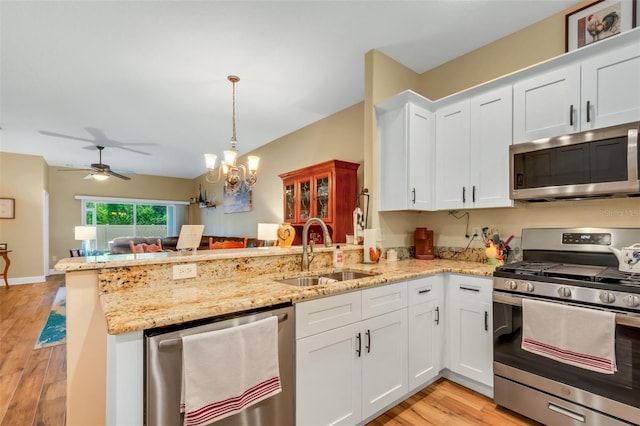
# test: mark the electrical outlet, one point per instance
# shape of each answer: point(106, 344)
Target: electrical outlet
point(54, 258)
point(187, 270)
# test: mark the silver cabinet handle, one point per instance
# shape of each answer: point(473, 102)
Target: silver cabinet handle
point(588, 111)
point(437, 315)
point(462, 287)
point(473, 193)
point(368, 341)
point(413, 195)
point(486, 321)
point(561, 410)
point(464, 194)
point(359, 339)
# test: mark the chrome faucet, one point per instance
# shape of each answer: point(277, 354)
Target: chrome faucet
point(307, 249)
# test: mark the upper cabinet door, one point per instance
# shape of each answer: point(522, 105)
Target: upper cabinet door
point(491, 130)
point(406, 153)
point(611, 88)
point(322, 199)
point(452, 152)
point(547, 105)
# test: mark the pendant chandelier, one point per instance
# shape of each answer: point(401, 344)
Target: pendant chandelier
point(228, 166)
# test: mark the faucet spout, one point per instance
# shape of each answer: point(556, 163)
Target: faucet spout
point(307, 255)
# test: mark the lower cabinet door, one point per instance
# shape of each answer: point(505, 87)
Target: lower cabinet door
point(328, 378)
point(425, 342)
point(471, 340)
point(384, 361)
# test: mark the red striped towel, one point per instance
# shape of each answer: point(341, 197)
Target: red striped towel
point(573, 335)
point(226, 371)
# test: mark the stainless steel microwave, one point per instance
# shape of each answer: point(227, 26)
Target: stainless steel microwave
point(595, 163)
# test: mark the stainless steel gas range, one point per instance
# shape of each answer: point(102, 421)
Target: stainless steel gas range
point(572, 266)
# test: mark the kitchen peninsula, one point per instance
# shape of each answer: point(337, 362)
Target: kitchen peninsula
point(111, 300)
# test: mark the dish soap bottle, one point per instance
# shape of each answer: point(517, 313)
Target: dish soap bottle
point(338, 258)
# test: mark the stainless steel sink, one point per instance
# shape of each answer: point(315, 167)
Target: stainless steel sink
point(328, 278)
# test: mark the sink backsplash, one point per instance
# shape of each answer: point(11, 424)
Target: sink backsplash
point(455, 253)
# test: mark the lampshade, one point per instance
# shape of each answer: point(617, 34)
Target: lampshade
point(268, 231)
point(86, 233)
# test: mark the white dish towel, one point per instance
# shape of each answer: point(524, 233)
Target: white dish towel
point(573, 335)
point(226, 371)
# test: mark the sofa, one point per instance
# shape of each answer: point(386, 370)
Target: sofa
point(122, 245)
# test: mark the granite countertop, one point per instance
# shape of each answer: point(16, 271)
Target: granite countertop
point(137, 309)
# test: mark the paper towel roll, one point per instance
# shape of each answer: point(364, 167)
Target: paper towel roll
point(370, 240)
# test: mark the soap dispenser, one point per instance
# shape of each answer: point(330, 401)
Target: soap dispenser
point(338, 258)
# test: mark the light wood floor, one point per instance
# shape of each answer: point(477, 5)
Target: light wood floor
point(33, 381)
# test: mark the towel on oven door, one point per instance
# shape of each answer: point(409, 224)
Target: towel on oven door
point(226, 371)
point(573, 335)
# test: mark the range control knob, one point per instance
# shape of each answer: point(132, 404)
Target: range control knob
point(529, 287)
point(607, 297)
point(511, 285)
point(564, 292)
point(631, 301)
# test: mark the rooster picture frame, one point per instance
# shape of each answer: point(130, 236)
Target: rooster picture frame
point(599, 20)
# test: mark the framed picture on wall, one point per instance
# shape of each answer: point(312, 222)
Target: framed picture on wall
point(7, 208)
point(598, 21)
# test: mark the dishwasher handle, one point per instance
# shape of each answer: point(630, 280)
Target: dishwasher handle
point(173, 344)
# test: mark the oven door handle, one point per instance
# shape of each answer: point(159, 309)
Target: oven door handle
point(626, 319)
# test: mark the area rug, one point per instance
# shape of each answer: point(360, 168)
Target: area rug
point(54, 331)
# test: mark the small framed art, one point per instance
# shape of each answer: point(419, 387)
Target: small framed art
point(598, 21)
point(7, 208)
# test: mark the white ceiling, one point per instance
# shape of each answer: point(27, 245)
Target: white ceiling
point(148, 79)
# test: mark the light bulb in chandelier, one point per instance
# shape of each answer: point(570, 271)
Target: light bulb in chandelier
point(228, 167)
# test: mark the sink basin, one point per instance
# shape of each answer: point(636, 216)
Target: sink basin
point(321, 279)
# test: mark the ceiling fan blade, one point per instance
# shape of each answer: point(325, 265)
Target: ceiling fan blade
point(118, 175)
point(60, 135)
point(68, 169)
point(134, 150)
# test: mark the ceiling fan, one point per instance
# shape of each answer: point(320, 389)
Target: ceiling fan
point(99, 171)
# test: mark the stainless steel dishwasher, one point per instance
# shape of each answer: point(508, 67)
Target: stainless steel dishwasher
point(163, 371)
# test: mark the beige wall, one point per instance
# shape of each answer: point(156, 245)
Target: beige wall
point(24, 177)
point(336, 137)
point(539, 42)
point(65, 211)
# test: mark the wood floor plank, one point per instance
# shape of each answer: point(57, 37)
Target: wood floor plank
point(27, 395)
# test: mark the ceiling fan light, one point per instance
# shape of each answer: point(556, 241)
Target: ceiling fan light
point(100, 176)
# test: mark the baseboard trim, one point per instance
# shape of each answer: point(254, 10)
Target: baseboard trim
point(26, 280)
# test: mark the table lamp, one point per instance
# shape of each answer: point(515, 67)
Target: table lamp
point(86, 234)
point(268, 232)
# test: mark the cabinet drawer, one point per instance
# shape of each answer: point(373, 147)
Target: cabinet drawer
point(468, 287)
point(424, 289)
point(315, 316)
point(380, 300)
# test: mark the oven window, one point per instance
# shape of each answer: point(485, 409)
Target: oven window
point(622, 386)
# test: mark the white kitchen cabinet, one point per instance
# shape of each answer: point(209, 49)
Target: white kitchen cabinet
point(349, 373)
point(406, 153)
point(547, 104)
point(469, 316)
point(601, 91)
point(611, 88)
point(426, 330)
point(491, 134)
point(472, 151)
point(329, 377)
point(452, 152)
